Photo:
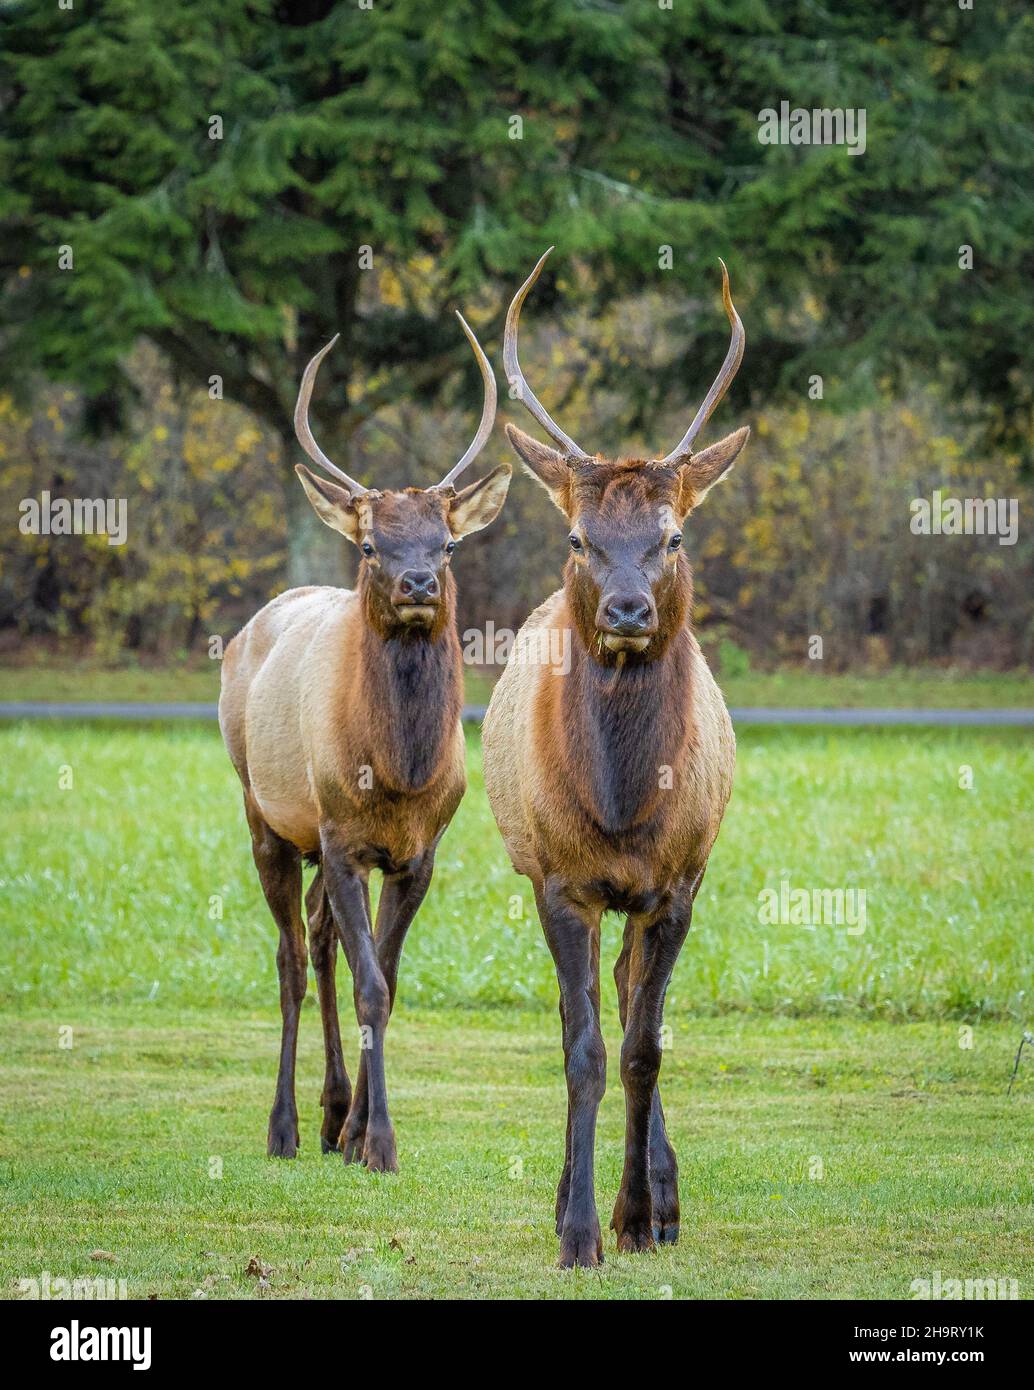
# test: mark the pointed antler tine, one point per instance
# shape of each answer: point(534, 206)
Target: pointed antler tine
point(724, 379)
point(303, 429)
point(487, 410)
point(515, 376)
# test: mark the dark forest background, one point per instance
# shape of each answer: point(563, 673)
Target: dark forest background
point(187, 189)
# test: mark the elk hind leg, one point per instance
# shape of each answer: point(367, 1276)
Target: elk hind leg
point(655, 945)
point(344, 881)
point(279, 868)
point(664, 1167)
point(336, 1096)
point(401, 896)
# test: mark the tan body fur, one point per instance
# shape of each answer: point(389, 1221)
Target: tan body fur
point(536, 782)
point(310, 744)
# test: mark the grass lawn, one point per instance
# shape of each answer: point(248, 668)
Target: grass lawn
point(924, 688)
point(819, 1158)
point(83, 680)
point(136, 883)
point(133, 917)
point(894, 689)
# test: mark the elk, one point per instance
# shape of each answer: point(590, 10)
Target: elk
point(608, 775)
point(340, 710)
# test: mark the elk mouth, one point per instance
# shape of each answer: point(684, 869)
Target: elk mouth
point(418, 614)
point(624, 642)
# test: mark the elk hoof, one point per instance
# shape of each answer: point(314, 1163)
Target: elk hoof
point(331, 1135)
point(634, 1228)
point(352, 1145)
point(665, 1195)
point(636, 1238)
point(283, 1140)
point(581, 1246)
point(666, 1232)
point(379, 1153)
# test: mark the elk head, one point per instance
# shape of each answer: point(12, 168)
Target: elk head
point(406, 537)
point(628, 583)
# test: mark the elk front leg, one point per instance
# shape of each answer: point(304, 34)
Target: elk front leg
point(564, 1186)
point(280, 873)
point(655, 946)
point(571, 928)
point(345, 883)
point(323, 946)
point(401, 896)
point(664, 1168)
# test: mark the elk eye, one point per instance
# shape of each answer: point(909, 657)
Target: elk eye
point(450, 546)
point(675, 541)
point(575, 543)
point(367, 548)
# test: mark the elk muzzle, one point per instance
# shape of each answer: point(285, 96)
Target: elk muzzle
point(626, 619)
point(416, 595)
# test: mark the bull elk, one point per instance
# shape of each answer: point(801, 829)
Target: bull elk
point(609, 774)
point(340, 710)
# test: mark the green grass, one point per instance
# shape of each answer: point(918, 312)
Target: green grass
point(133, 918)
point(925, 1162)
point(898, 688)
point(49, 679)
point(52, 680)
point(136, 883)
point(83, 680)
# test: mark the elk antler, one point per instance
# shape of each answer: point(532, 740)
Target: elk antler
point(723, 380)
point(487, 412)
point(303, 430)
point(515, 376)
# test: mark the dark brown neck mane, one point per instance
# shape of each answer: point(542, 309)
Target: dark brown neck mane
point(625, 716)
point(413, 689)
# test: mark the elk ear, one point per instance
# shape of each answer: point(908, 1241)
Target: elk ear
point(699, 472)
point(544, 464)
point(332, 504)
point(480, 503)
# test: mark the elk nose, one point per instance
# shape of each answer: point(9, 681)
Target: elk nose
point(416, 586)
point(627, 617)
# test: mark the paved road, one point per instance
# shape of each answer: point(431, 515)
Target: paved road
point(39, 709)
